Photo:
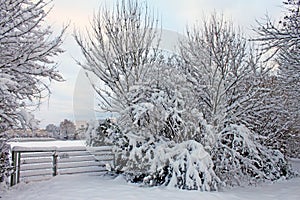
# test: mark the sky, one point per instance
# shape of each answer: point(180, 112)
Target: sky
point(74, 99)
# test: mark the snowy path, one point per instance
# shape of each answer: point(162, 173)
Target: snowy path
point(96, 188)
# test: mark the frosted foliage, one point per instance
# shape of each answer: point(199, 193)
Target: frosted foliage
point(280, 41)
point(119, 50)
point(240, 158)
point(5, 167)
point(26, 66)
point(106, 132)
point(91, 133)
point(223, 72)
point(185, 165)
point(188, 122)
point(158, 114)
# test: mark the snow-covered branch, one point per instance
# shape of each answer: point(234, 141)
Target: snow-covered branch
point(27, 47)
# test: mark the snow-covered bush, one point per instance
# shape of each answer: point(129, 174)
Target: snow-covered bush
point(159, 115)
point(162, 149)
point(5, 167)
point(239, 158)
point(107, 133)
point(228, 79)
point(183, 165)
point(101, 133)
point(91, 134)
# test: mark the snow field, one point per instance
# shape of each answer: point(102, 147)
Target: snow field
point(80, 187)
point(95, 187)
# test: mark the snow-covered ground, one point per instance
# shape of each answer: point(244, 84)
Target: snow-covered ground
point(80, 187)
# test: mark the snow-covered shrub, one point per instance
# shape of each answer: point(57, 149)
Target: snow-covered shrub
point(5, 167)
point(100, 133)
point(183, 165)
point(158, 115)
point(107, 133)
point(239, 158)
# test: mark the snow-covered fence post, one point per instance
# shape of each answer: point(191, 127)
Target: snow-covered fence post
point(18, 166)
point(13, 175)
point(54, 163)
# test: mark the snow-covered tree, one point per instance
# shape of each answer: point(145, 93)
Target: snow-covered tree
point(52, 130)
point(223, 71)
point(67, 130)
point(27, 47)
point(144, 87)
point(280, 42)
point(227, 78)
point(185, 120)
point(119, 50)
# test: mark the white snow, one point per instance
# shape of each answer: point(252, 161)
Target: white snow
point(79, 187)
point(57, 143)
point(93, 187)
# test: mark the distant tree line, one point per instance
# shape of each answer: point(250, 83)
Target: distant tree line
point(65, 131)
